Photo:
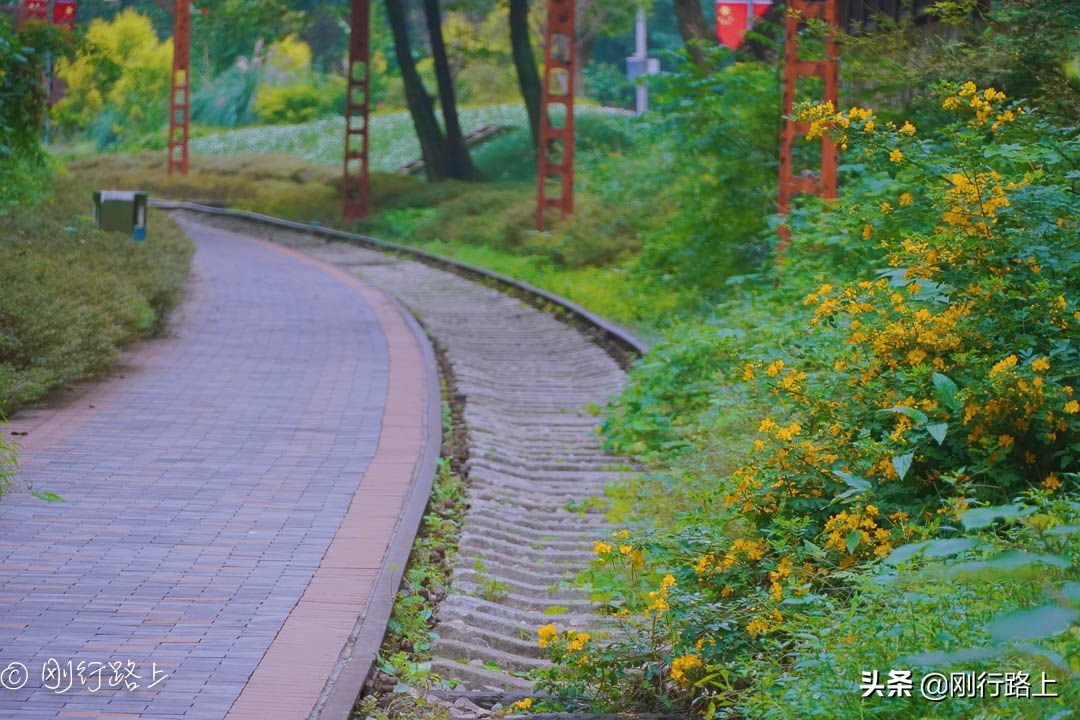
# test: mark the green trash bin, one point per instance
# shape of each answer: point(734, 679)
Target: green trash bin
point(122, 211)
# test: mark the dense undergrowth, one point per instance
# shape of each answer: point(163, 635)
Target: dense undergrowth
point(868, 464)
point(72, 295)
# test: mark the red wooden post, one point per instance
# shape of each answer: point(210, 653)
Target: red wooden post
point(823, 183)
point(180, 92)
point(555, 156)
point(356, 190)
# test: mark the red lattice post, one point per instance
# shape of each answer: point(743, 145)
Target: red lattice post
point(180, 91)
point(555, 156)
point(356, 190)
point(823, 182)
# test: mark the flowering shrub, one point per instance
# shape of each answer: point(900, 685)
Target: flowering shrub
point(940, 382)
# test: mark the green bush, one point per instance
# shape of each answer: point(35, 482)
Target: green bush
point(70, 295)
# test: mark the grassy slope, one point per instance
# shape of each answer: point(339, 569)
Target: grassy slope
point(71, 295)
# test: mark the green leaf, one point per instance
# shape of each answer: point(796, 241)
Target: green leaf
point(946, 390)
point(902, 464)
point(937, 431)
point(47, 496)
point(1042, 622)
point(982, 517)
point(1063, 530)
point(917, 415)
point(851, 481)
point(930, 549)
point(852, 540)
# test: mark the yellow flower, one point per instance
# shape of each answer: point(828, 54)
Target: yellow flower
point(577, 642)
point(547, 635)
point(774, 368)
point(1051, 482)
point(867, 232)
point(1005, 441)
point(1040, 365)
point(521, 705)
point(680, 666)
point(668, 581)
point(1003, 365)
point(905, 198)
point(950, 103)
point(968, 89)
point(896, 156)
point(1072, 407)
point(601, 548)
point(626, 549)
point(886, 208)
point(748, 372)
point(869, 126)
point(907, 128)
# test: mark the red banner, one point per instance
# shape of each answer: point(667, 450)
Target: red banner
point(64, 13)
point(731, 22)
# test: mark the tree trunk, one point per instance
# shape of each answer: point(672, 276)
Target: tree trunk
point(459, 164)
point(432, 141)
point(525, 62)
point(695, 30)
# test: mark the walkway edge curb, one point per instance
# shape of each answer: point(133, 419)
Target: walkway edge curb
point(353, 670)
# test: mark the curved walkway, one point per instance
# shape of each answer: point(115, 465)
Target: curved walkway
point(236, 504)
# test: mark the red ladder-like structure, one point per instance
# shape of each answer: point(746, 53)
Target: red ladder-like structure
point(357, 202)
point(180, 92)
point(822, 183)
point(555, 156)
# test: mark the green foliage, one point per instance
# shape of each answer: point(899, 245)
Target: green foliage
point(712, 179)
point(607, 85)
point(23, 172)
point(227, 100)
point(70, 294)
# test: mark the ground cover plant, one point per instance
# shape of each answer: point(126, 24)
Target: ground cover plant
point(72, 295)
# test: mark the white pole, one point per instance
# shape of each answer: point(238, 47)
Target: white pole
point(642, 53)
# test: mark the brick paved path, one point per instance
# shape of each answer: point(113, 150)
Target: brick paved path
point(202, 492)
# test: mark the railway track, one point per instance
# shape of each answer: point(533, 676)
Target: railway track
point(526, 380)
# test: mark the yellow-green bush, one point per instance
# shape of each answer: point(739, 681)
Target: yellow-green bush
point(120, 81)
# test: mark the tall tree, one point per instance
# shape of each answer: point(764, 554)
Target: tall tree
point(695, 31)
point(525, 62)
point(458, 163)
point(421, 107)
